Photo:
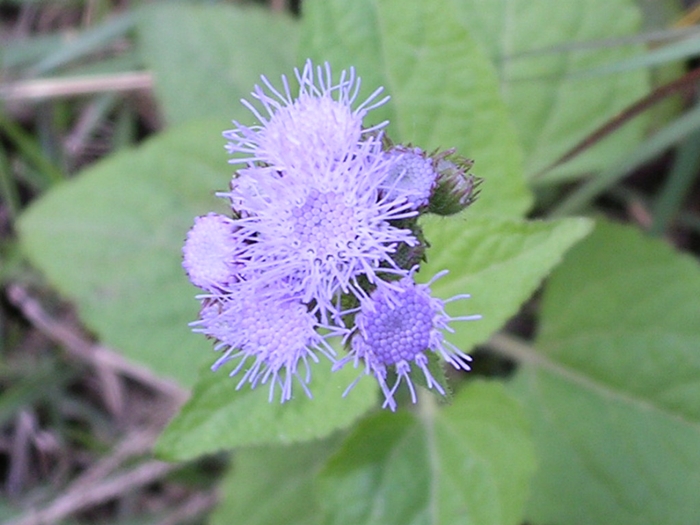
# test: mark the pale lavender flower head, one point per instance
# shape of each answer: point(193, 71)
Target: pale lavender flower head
point(295, 131)
point(268, 339)
point(322, 230)
point(396, 327)
point(211, 252)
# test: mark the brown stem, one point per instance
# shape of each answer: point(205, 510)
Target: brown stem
point(684, 84)
point(83, 349)
point(76, 500)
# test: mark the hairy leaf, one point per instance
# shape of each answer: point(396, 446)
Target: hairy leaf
point(615, 388)
point(469, 463)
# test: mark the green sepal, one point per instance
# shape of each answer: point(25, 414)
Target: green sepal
point(455, 188)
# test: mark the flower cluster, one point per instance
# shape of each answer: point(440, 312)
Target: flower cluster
point(323, 241)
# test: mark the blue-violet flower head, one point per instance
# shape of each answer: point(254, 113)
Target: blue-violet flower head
point(413, 176)
point(396, 327)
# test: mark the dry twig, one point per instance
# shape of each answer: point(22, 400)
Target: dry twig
point(81, 348)
point(192, 507)
point(83, 497)
point(43, 88)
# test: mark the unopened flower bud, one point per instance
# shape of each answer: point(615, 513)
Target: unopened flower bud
point(455, 188)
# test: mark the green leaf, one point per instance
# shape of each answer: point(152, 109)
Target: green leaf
point(272, 485)
point(206, 58)
point(110, 240)
point(219, 417)
point(466, 464)
point(499, 262)
point(538, 47)
point(444, 90)
point(614, 393)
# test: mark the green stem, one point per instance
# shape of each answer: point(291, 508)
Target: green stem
point(31, 151)
point(683, 173)
point(8, 187)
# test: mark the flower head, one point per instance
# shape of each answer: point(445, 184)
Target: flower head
point(310, 222)
point(211, 251)
point(322, 230)
point(396, 327)
point(413, 176)
point(295, 131)
point(267, 338)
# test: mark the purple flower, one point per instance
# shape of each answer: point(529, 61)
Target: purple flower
point(321, 230)
point(323, 219)
point(413, 176)
point(269, 339)
point(395, 328)
point(270, 333)
point(211, 251)
point(295, 132)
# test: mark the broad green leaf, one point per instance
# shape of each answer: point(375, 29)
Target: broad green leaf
point(469, 463)
point(538, 47)
point(206, 58)
point(614, 392)
point(499, 262)
point(219, 417)
point(272, 485)
point(110, 240)
point(444, 90)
